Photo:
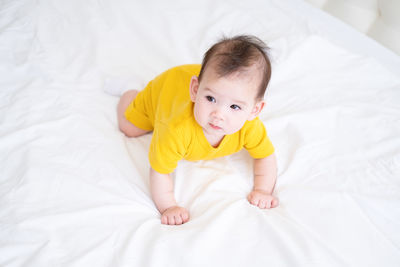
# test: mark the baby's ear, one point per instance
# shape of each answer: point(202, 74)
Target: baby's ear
point(258, 107)
point(194, 87)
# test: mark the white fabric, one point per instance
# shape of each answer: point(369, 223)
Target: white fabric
point(74, 191)
point(378, 19)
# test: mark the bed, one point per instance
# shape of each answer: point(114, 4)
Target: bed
point(74, 191)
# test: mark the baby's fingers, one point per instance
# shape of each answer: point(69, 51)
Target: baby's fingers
point(264, 204)
point(170, 219)
point(179, 219)
point(253, 200)
point(175, 216)
point(185, 217)
point(262, 201)
point(164, 219)
point(275, 202)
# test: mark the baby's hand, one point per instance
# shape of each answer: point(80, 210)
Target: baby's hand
point(175, 215)
point(262, 199)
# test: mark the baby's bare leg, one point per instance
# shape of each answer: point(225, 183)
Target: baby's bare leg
point(126, 126)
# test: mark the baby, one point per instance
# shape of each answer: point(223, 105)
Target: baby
point(201, 112)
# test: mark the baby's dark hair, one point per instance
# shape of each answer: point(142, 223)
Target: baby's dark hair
point(237, 54)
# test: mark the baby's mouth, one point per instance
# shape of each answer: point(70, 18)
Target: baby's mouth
point(215, 127)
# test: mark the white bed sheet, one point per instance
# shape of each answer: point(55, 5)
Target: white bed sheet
point(74, 191)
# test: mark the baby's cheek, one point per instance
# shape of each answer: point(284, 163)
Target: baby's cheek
point(237, 124)
point(198, 115)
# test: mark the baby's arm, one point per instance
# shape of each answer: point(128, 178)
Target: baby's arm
point(162, 191)
point(265, 173)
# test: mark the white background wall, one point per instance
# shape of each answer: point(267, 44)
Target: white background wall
point(379, 19)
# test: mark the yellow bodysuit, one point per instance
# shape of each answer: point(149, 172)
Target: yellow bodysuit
point(165, 108)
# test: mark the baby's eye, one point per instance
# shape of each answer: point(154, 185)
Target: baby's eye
point(235, 107)
point(210, 99)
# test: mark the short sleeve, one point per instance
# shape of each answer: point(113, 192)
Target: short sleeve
point(166, 149)
point(256, 140)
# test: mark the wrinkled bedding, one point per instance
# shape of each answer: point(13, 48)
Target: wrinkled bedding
point(74, 191)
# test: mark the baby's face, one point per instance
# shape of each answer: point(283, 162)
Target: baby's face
point(223, 104)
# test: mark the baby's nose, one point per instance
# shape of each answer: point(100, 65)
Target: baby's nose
point(217, 114)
